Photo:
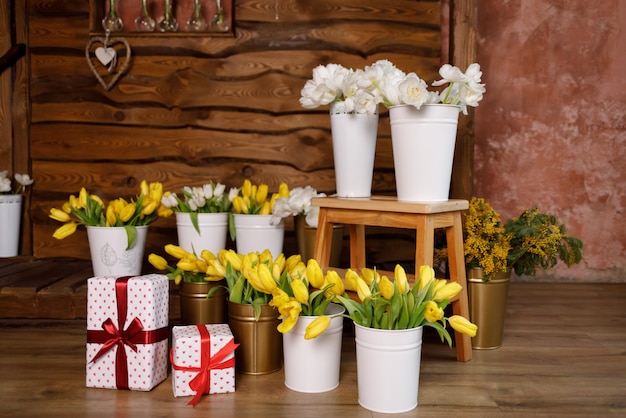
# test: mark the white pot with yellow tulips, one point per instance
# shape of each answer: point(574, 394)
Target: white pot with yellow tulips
point(117, 231)
point(389, 320)
point(255, 229)
point(11, 212)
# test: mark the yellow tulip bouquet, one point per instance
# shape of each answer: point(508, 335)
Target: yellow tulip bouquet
point(394, 305)
point(88, 209)
point(188, 268)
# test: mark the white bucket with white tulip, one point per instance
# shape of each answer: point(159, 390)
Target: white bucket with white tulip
point(423, 142)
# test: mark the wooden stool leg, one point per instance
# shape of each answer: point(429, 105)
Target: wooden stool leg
point(323, 239)
point(357, 246)
point(460, 306)
point(424, 242)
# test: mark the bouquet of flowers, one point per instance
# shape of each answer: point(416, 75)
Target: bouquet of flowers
point(393, 305)
point(210, 198)
point(298, 203)
point(189, 267)
point(361, 91)
point(524, 244)
point(89, 210)
point(23, 180)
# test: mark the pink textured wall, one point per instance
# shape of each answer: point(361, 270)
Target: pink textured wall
point(551, 130)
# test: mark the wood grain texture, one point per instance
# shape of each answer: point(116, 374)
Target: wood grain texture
point(199, 108)
point(546, 367)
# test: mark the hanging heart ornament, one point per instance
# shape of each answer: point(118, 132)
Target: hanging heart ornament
point(106, 56)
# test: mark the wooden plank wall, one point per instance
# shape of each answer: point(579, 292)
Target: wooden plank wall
point(199, 108)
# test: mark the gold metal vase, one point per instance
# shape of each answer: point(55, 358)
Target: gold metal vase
point(260, 348)
point(197, 308)
point(305, 238)
point(488, 302)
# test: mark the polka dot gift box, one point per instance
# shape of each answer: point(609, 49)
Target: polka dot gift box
point(203, 360)
point(127, 331)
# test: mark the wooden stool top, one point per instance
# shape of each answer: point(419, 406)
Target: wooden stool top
point(389, 204)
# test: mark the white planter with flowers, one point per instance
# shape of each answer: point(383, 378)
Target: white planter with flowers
point(11, 213)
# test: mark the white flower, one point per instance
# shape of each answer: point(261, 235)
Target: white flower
point(325, 87)
point(169, 200)
point(298, 203)
point(23, 180)
point(413, 90)
point(465, 89)
point(5, 184)
point(234, 192)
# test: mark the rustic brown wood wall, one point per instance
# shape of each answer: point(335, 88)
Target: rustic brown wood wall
point(224, 108)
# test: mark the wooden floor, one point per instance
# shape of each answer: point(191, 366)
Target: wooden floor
point(563, 354)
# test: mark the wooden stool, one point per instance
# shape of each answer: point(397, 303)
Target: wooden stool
point(389, 212)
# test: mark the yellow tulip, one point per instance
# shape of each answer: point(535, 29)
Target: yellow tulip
point(316, 327)
point(178, 279)
point(290, 313)
point(143, 187)
point(401, 281)
point(266, 257)
point(278, 266)
point(314, 274)
point(426, 275)
point(246, 188)
point(111, 219)
point(201, 265)
point(298, 271)
point(65, 231)
point(237, 204)
point(176, 251)
point(82, 198)
point(261, 193)
point(433, 312)
point(74, 202)
point(66, 207)
point(215, 268)
point(207, 255)
point(351, 277)
point(283, 190)
point(187, 264)
point(292, 261)
point(448, 291)
point(230, 256)
point(127, 212)
point(266, 209)
point(370, 275)
point(59, 215)
point(149, 206)
point(386, 288)
point(266, 278)
point(362, 289)
point(461, 324)
point(279, 298)
point(332, 277)
point(96, 199)
point(164, 211)
point(155, 191)
point(300, 291)
point(157, 261)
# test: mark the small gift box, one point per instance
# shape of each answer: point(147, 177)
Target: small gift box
point(127, 331)
point(203, 360)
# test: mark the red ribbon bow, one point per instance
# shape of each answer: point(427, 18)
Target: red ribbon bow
point(110, 335)
point(201, 384)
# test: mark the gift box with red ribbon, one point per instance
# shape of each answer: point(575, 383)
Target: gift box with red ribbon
point(127, 331)
point(203, 360)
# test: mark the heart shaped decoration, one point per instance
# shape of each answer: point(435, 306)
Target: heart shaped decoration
point(104, 53)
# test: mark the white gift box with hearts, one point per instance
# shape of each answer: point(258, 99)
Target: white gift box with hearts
point(142, 304)
point(187, 346)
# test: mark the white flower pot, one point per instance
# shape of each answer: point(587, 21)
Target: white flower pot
point(255, 233)
point(10, 221)
point(423, 143)
point(354, 148)
point(109, 256)
point(388, 368)
point(312, 366)
point(212, 236)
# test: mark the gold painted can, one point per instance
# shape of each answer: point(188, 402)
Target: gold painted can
point(196, 308)
point(306, 236)
point(487, 301)
point(260, 348)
